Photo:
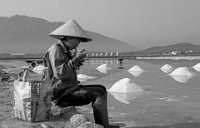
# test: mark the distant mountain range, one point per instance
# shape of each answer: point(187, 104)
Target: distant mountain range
point(23, 34)
point(182, 47)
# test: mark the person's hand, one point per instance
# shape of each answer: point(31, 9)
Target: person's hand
point(79, 58)
point(81, 54)
point(81, 63)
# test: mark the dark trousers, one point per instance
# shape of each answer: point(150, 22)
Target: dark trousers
point(86, 94)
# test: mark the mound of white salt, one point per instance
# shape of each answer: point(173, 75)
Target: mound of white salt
point(136, 71)
point(39, 69)
point(181, 78)
point(103, 68)
point(182, 71)
point(84, 77)
point(197, 67)
point(167, 68)
point(136, 68)
point(125, 85)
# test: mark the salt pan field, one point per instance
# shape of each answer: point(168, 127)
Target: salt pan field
point(154, 98)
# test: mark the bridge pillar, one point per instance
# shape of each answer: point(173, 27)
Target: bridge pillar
point(120, 63)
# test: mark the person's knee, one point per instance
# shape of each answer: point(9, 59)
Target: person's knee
point(103, 89)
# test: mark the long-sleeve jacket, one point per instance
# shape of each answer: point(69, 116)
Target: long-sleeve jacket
point(61, 70)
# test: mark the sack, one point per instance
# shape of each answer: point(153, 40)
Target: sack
point(32, 97)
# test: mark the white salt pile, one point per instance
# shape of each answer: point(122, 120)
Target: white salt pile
point(167, 68)
point(39, 69)
point(103, 68)
point(136, 68)
point(182, 71)
point(181, 74)
point(125, 85)
point(181, 78)
point(136, 71)
point(197, 67)
point(84, 77)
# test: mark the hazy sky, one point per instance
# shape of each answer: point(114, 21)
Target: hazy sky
point(142, 23)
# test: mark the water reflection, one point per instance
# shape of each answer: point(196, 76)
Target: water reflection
point(169, 99)
point(103, 61)
point(126, 98)
point(136, 73)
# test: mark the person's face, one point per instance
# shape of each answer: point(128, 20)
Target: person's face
point(72, 43)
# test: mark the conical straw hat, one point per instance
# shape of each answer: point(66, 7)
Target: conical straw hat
point(71, 29)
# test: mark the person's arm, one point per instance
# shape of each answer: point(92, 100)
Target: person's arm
point(79, 58)
point(61, 64)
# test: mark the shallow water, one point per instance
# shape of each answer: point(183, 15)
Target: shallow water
point(165, 102)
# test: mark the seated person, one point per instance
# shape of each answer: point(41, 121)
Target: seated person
point(62, 66)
